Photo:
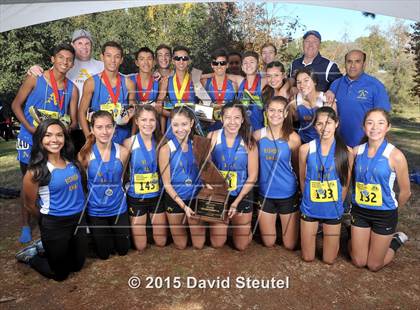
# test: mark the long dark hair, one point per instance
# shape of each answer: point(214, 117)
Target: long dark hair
point(341, 155)
point(39, 155)
point(90, 139)
point(157, 134)
point(287, 126)
point(268, 91)
point(309, 72)
point(245, 130)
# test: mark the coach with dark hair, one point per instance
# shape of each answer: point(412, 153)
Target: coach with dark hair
point(357, 93)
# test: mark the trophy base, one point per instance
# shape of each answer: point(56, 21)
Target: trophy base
point(209, 210)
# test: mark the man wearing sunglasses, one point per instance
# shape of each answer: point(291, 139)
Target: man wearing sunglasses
point(180, 87)
point(220, 88)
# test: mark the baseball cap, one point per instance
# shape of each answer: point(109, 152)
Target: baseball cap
point(312, 32)
point(81, 33)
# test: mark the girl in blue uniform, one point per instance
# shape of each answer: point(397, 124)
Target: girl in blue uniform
point(180, 178)
point(144, 192)
point(324, 171)
point(235, 154)
point(53, 182)
point(104, 162)
point(276, 82)
point(219, 87)
point(374, 213)
point(307, 101)
point(254, 84)
point(53, 95)
point(278, 155)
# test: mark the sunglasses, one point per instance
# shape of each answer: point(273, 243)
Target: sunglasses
point(235, 63)
point(219, 63)
point(179, 58)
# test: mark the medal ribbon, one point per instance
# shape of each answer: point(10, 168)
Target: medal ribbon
point(219, 94)
point(254, 84)
point(109, 172)
point(150, 156)
point(229, 153)
point(116, 95)
point(144, 93)
point(181, 94)
point(371, 163)
point(58, 99)
point(327, 163)
point(187, 158)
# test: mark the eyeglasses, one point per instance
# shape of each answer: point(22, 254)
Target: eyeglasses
point(234, 63)
point(219, 63)
point(183, 58)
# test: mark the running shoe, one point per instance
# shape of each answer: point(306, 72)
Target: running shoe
point(26, 254)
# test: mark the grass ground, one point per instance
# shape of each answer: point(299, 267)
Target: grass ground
point(103, 284)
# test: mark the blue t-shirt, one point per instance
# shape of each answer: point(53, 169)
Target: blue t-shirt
point(255, 112)
point(354, 99)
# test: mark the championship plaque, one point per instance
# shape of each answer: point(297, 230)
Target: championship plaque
point(212, 199)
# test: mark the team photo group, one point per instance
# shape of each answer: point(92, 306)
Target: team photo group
point(104, 156)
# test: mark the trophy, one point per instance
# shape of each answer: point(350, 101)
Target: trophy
point(212, 199)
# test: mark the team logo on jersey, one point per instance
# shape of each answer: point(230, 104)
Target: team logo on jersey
point(84, 74)
point(362, 94)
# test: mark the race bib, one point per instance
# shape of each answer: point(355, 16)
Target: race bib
point(369, 194)
point(146, 183)
point(50, 114)
point(231, 178)
point(324, 191)
point(114, 109)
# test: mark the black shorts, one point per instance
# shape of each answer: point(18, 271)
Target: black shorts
point(245, 205)
point(382, 222)
point(321, 221)
point(172, 207)
point(142, 206)
point(279, 206)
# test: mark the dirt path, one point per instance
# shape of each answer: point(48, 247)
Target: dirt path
point(104, 284)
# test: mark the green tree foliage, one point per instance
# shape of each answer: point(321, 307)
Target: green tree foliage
point(415, 50)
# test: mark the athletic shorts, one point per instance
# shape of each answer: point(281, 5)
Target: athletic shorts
point(142, 206)
point(321, 221)
point(279, 206)
point(23, 151)
point(382, 222)
point(245, 205)
point(172, 207)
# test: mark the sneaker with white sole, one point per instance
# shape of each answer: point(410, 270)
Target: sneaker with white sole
point(25, 255)
point(400, 237)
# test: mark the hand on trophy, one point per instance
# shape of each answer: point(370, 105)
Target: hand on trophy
point(188, 211)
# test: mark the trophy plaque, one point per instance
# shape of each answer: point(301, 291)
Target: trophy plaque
point(211, 202)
